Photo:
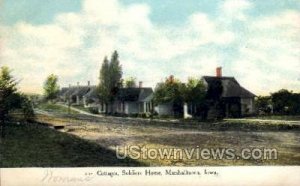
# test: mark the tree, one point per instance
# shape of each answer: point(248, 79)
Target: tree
point(110, 79)
point(195, 92)
point(115, 72)
point(281, 101)
point(104, 85)
point(263, 104)
point(8, 90)
point(11, 99)
point(172, 90)
point(51, 87)
point(130, 82)
point(286, 102)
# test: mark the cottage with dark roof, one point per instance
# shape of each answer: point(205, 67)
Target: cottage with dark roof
point(133, 100)
point(74, 94)
point(236, 101)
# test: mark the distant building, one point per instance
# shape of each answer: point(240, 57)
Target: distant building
point(236, 101)
point(233, 101)
point(134, 100)
point(74, 94)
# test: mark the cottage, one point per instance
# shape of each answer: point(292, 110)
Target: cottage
point(133, 100)
point(74, 94)
point(236, 101)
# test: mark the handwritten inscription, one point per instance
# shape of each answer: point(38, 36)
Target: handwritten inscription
point(50, 176)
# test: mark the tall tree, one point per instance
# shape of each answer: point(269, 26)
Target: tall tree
point(115, 71)
point(51, 87)
point(110, 79)
point(104, 82)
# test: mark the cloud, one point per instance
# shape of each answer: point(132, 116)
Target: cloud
point(270, 57)
point(74, 44)
point(235, 9)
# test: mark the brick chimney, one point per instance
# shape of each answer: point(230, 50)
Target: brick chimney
point(140, 84)
point(219, 71)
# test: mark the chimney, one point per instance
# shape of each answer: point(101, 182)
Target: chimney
point(140, 84)
point(88, 83)
point(219, 72)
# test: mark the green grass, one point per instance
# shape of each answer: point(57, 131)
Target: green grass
point(32, 145)
point(80, 107)
point(278, 117)
point(50, 107)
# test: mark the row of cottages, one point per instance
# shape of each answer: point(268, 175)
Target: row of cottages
point(236, 100)
point(133, 100)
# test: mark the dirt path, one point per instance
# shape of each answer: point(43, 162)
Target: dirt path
point(113, 132)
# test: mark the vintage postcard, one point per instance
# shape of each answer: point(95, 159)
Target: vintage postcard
point(149, 92)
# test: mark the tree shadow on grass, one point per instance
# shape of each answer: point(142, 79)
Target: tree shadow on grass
point(32, 145)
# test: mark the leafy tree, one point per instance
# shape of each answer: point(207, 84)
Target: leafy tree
point(281, 101)
point(263, 103)
point(51, 87)
point(110, 79)
point(195, 93)
point(10, 99)
point(295, 104)
point(130, 82)
point(285, 102)
point(8, 90)
point(214, 98)
point(172, 90)
point(215, 91)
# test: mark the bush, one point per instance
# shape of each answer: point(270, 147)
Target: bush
point(94, 110)
point(144, 115)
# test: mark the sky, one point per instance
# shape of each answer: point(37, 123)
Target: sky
point(257, 42)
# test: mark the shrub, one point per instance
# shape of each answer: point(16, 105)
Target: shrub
point(94, 110)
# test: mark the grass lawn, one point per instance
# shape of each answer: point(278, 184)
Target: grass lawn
point(80, 107)
point(53, 108)
point(279, 117)
point(32, 145)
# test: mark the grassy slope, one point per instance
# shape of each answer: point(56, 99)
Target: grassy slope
point(279, 117)
point(55, 108)
point(36, 146)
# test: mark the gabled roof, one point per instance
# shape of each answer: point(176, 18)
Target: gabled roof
point(81, 91)
point(93, 93)
point(134, 94)
point(231, 88)
point(63, 91)
point(69, 92)
point(75, 91)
